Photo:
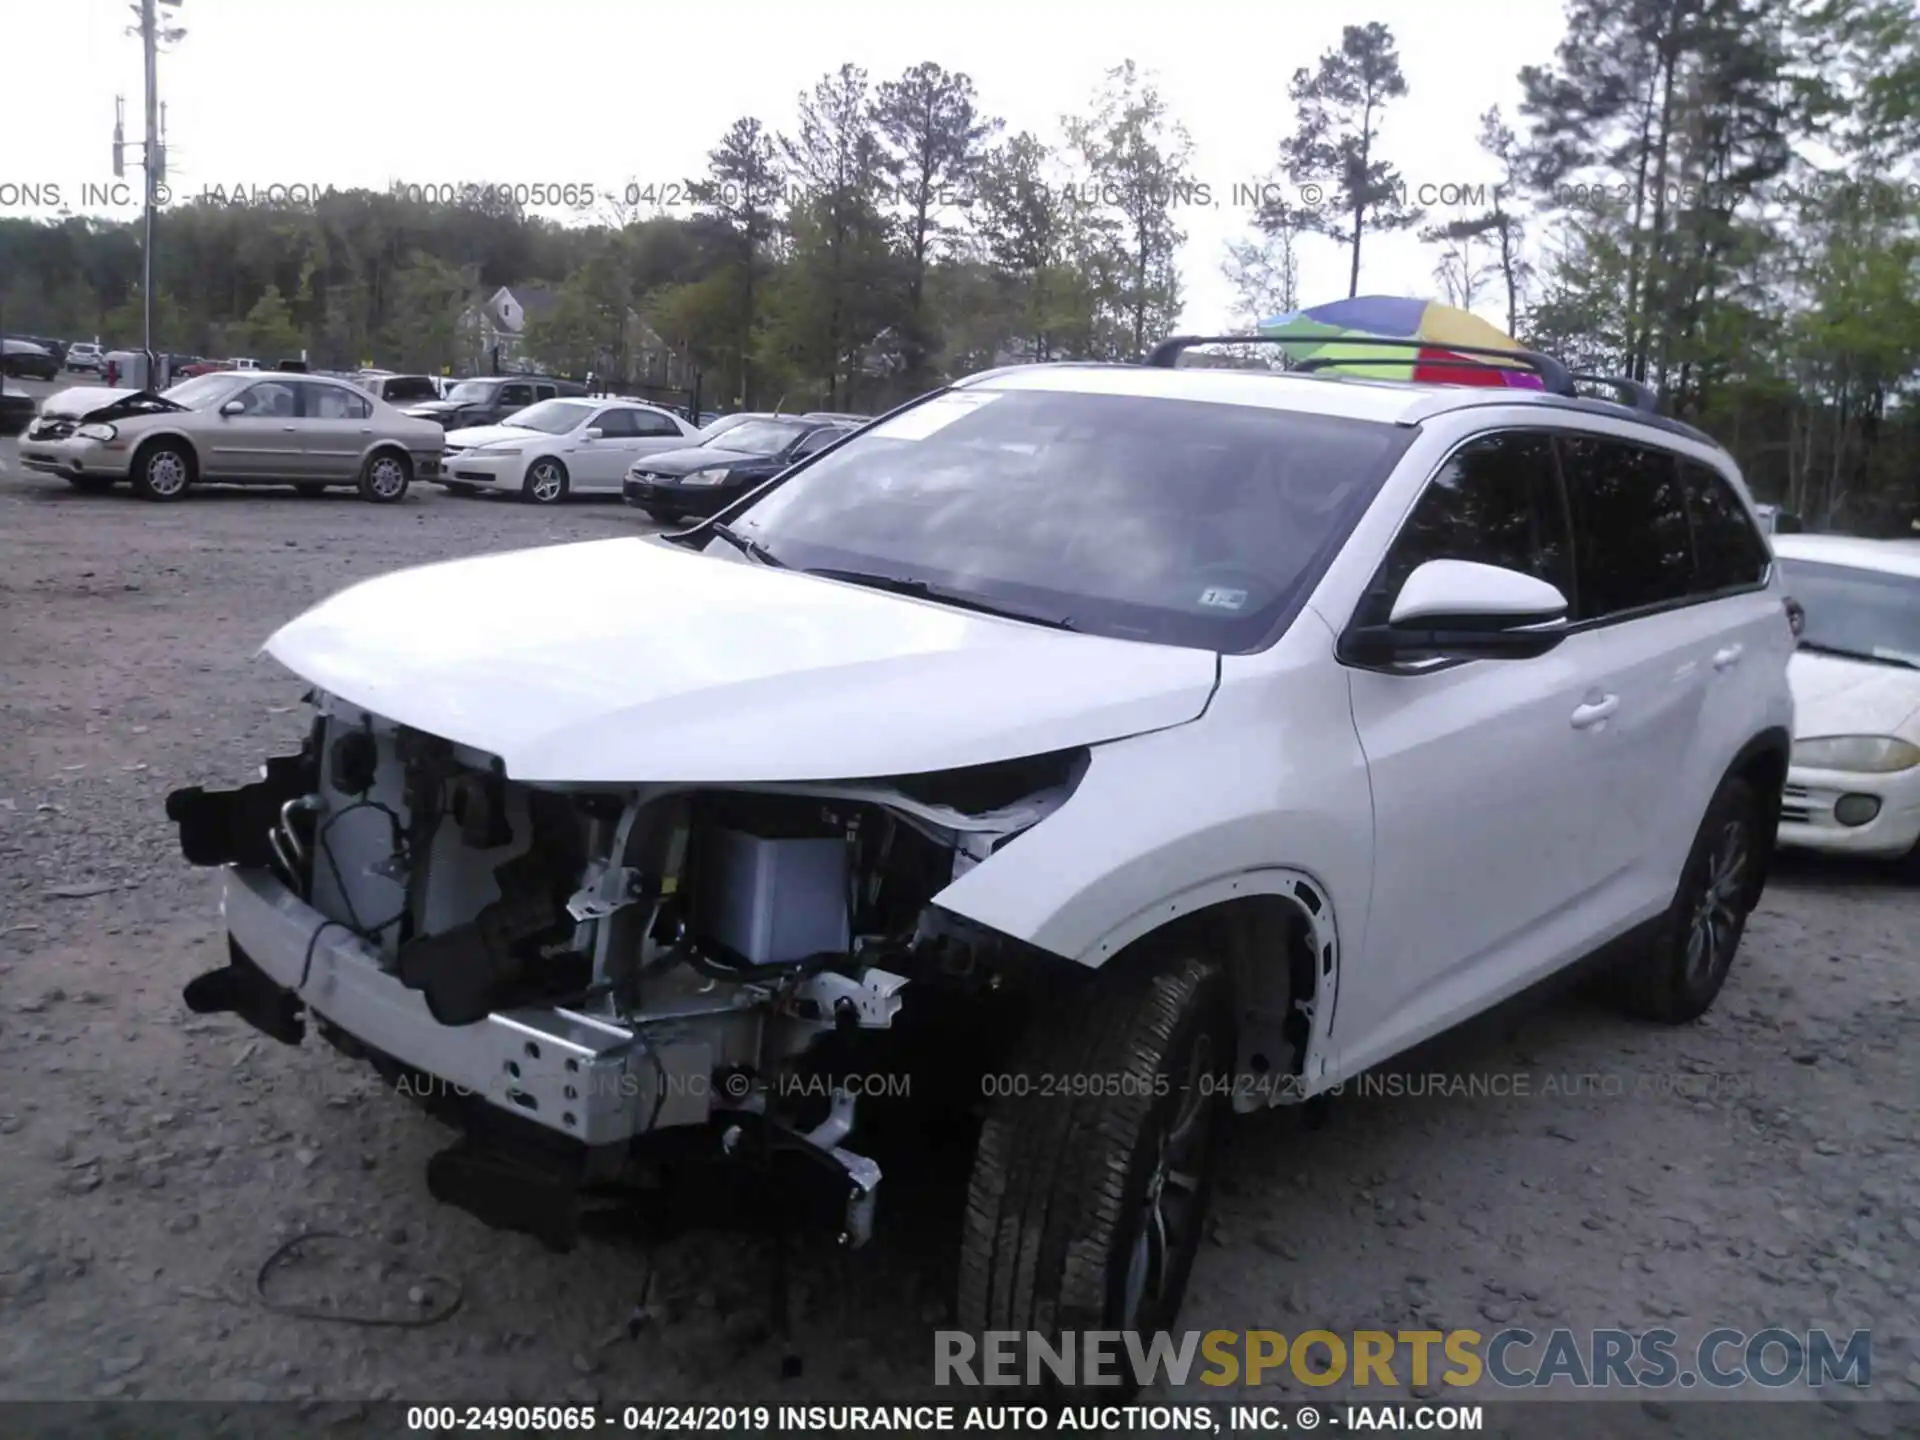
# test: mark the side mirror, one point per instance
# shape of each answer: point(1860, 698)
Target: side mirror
point(594, 433)
point(233, 407)
point(1463, 610)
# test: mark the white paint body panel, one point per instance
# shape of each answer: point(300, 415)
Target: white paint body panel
point(1471, 834)
point(630, 660)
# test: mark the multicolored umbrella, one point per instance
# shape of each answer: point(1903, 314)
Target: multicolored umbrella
point(1320, 330)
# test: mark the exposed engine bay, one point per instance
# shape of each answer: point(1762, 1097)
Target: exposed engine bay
point(637, 970)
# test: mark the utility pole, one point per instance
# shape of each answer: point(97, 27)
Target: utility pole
point(150, 44)
point(153, 162)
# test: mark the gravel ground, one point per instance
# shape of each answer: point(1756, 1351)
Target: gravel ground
point(1756, 1169)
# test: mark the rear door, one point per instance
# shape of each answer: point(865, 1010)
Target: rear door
point(1647, 650)
point(336, 425)
point(1482, 784)
point(1750, 643)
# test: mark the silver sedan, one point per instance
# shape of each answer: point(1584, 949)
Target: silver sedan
point(240, 428)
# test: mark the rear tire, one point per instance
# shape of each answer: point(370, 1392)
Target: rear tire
point(1678, 977)
point(1089, 1189)
point(384, 478)
point(91, 484)
point(163, 471)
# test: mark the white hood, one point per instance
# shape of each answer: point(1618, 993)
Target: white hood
point(633, 660)
point(486, 434)
point(78, 400)
point(1836, 696)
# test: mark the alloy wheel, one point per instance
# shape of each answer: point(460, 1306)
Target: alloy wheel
point(1171, 1208)
point(1713, 930)
point(166, 473)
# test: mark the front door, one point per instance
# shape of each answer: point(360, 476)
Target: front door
point(1483, 774)
point(262, 441)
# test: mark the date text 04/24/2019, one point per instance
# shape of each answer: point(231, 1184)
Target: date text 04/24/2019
point(936, 1419)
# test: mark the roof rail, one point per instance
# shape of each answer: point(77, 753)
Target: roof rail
point(1554, 376)
point(1633, 393)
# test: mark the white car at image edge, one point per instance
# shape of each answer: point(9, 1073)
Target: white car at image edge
point(1855, 782)
point(561, 447)
point(1126, 745)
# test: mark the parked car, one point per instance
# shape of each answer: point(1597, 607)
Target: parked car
point(240, 428)
point(558, 448)
point(401, 391)
point(85, 355)
point(25, 360)
point(241, 363)
point(704, 480)
point(16, 410)
point(1855, 782)
point(203, 367)
point(492, 398)
point(721, 424)
point(1072, 738)
point(1778, 521)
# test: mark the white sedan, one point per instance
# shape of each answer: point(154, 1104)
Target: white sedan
point(561, 447)
point(1855, 781)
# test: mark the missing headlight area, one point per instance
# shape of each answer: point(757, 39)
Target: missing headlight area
point(613, 965)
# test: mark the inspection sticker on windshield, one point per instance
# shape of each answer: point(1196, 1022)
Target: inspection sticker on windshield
point(1219, 599)
point(935, 414)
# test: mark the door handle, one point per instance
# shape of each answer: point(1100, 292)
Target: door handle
point(1585, 717)
point(289, 429)
point(1727, 658)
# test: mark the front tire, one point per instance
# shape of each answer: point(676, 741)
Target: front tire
point(1681, 972)
point(1090, 1186)
point(546, 483)
point(163, 471)
point(384, 478)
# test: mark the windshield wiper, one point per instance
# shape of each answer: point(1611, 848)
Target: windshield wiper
point(744, 545)
point(920, 590)
point(1877, 657)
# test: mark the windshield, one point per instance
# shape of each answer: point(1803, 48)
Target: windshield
point(550, 417)
point(762, 437)
point(476, 392)
point(1174, 521)
point(1867, 613)
point(205, 390)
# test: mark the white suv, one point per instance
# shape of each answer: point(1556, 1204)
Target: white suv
point(1098, 748)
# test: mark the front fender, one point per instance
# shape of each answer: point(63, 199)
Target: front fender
point(1271, 779)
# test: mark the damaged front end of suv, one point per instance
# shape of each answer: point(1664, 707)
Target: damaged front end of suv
point(606, 984)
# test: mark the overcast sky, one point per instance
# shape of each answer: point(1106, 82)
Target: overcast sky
point(628, 92)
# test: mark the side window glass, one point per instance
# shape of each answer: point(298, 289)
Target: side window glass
point(1632, 543)
point(543, 392)
point(653, 425)
point(614, 423)
point(516, 396)
point(270, 398)
point(1495, 501)
point(1730, 553)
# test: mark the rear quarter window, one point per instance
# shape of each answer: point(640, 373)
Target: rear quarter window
point(1729, 551)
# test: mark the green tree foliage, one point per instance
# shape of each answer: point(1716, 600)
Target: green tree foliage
point(1336, 144)
point(1721, 197)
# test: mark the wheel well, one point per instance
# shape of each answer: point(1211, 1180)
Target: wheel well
point(176, 442)
point(396, 451)
point(1763, 762)
point(1282, 955)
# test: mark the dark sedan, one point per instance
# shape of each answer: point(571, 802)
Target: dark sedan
point(17, 410)
point(705, 479)
point(24, 360)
